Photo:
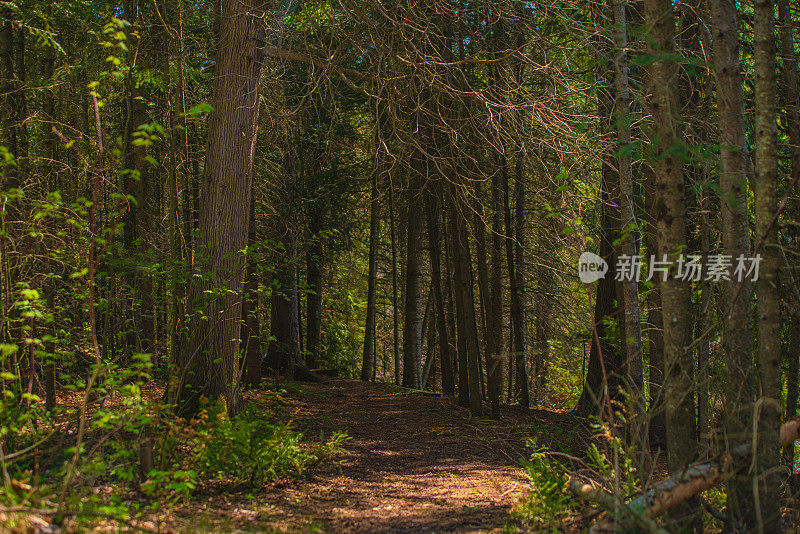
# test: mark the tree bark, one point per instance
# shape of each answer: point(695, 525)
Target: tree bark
point(671, 233)
point(314, 258)
point(629, 294)
point(543, 314)
point(449, 296)
point(737, 332)
point(605, 363)
point(468, 346)
point(512, 274)
point(494, 361)
point(482, 266)
point(209, 361)
point(518, 286)
point(655, 326)
point(8, 135)
point(395, 300)
point(434, 243)
point(792, 106)
point(368, 358)
point(412, 325)
point(768, 513)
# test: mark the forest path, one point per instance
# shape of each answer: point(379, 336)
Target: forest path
point(415, 463)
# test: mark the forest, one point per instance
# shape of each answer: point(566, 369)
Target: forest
point(402, 266)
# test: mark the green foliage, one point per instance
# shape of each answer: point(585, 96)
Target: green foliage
point(249, 448)
point(546, 504)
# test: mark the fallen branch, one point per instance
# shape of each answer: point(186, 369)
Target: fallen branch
point(700, 477)
point(691, 481)
point(680, 487)
point(595, 493)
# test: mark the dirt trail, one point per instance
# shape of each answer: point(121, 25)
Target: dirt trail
point(414, 464)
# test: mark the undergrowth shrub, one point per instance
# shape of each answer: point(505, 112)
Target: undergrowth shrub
point(546, 504)
point(549, 506)
point(249, 448)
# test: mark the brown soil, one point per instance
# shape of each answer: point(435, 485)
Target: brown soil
point(415, 463)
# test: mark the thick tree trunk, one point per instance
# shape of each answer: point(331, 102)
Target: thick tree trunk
point(768, 514)
point(209, 361)
point(285, 353)
point(655, 326)
point(412, 325)
point(671, 234)
point(469, 394)
point(137, 225)
point(737, 332)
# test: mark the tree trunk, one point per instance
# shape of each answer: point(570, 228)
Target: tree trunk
point(209, 361)
point(671, 234)
point(8, 133)
point(544, 279)
point(136, 220)
point(367, 362)
point(629, 287)
point(518, 286)
point(284, 354)
point(21, 104)
point(450, 303)
point(494, 361)
point(655, 326)
point(251, 337)
point(706, 321)
point(469, 394)
point(487, 323)
point(395, 300)
point(737, 333)
point(792, 106)
point(768, 515)
point(412, 325)
point(434, 242)
point(606, 364)
point(314, 297)
point(512, 274)
point(51, 143)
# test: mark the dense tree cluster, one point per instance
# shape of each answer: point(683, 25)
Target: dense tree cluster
point(400, 191)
